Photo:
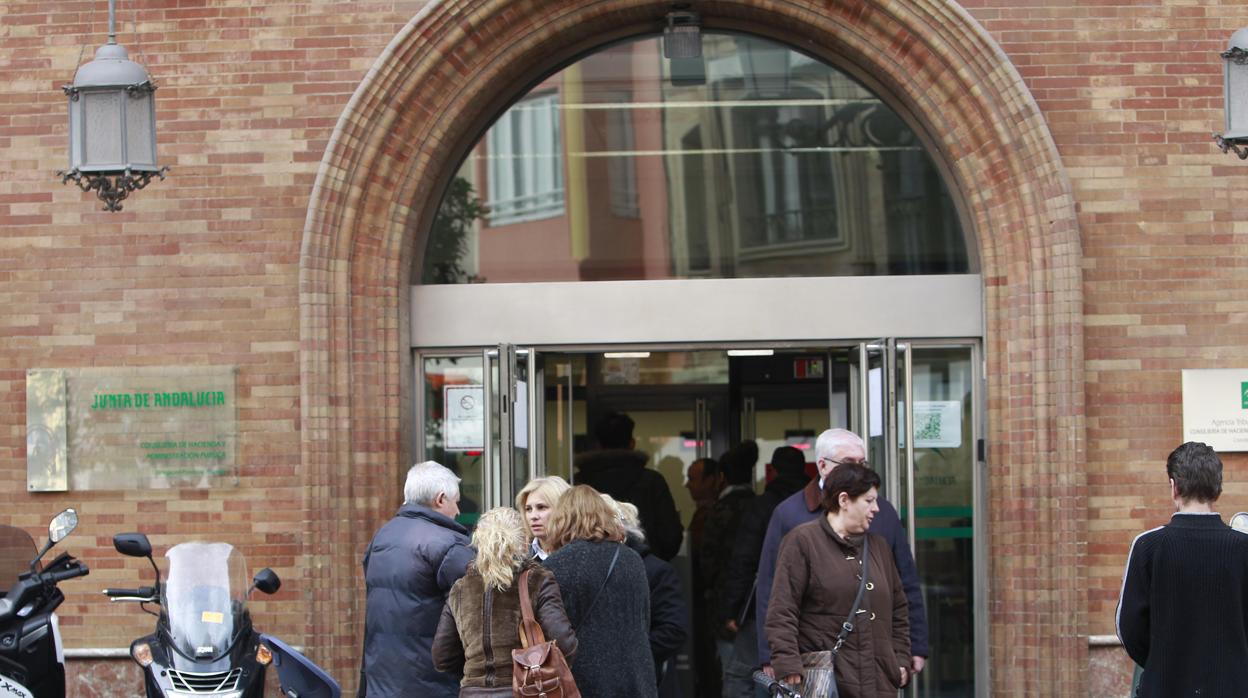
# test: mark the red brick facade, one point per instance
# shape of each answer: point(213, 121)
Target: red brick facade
point(309, 144)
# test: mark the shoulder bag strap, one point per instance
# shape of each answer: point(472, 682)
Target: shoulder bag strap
point(604, 586)
point(848, 626)
point(530, 632)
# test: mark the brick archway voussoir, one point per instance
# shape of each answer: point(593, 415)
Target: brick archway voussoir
point(458, 61)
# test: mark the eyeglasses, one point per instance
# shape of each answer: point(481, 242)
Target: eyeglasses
point(862, 462)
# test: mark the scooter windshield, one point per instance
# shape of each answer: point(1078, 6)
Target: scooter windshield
point(17, 549)
point(204, 597)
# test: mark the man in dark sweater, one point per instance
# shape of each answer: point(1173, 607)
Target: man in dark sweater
point(735, 605)
point(1183, 612)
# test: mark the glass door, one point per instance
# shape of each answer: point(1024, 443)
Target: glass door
point(786, 397)
point(938, 446)
point(477, 411)
point(915, 405)
point(451, 415)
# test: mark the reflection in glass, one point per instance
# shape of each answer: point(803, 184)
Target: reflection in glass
point(944, 466)
point(455, 422)
point(754, 161)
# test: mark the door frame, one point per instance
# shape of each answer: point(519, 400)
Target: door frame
point(493, 486)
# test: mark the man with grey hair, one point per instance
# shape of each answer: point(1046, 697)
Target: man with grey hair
point(836, 447)
point(409, 568)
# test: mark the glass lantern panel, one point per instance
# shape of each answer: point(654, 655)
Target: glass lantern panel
point(103, 128)
point(1236, 100)
point(75, 134)
point(140, 145)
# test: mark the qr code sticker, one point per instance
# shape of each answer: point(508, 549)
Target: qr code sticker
point(927, 426)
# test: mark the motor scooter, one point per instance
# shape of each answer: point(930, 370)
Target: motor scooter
point(32, 661)
point(204, 645)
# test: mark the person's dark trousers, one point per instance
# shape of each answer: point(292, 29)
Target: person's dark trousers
point(705, 654)
point(740, 660)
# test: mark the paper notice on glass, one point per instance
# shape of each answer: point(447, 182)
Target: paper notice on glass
point(875, 401)
point(937, 424)
point(521, 412)
point(464, 410)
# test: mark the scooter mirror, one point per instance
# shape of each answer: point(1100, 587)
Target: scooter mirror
point(132, 544)
point(266, 580)
point(62, 525)
point(1239, 522)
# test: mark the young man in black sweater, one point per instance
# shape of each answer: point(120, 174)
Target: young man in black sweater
point(1183, 613)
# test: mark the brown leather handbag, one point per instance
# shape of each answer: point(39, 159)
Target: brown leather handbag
point(538, 669)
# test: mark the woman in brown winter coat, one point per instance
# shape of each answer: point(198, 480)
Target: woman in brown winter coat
point(817, 579)
point(480, 623)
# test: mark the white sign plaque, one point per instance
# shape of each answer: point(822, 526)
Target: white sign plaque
point(937, 424)
point(465, 418)
point(1215, 407)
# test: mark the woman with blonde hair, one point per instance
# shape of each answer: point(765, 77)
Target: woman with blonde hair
point(536, 501)
point(606, 594)
point(481, 619)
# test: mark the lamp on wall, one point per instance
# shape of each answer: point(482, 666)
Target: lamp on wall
point(682, 47)
point(1235, 94)
point(112, 124)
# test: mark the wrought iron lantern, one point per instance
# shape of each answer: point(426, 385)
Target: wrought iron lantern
point(112, 124)
point(1235, 92)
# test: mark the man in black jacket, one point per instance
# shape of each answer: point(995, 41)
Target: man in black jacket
point(735, 605)
point(620, 471)
point(409, 568)
point(1183, 612)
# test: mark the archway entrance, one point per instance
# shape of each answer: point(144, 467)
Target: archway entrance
point(702, 243)
point(439, 85)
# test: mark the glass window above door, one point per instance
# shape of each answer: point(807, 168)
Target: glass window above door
point(753, 161)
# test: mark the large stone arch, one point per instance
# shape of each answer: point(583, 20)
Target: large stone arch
point(458, 62)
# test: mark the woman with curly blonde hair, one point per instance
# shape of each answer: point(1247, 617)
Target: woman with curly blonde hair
point(607, 597)
point(481, 619)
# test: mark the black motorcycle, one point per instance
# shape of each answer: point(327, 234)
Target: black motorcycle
point(204, 645)
point(32, 662)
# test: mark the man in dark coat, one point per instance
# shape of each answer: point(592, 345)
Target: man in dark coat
point(734, 607)
point(832, 448)
point(620, 471)
point(1183, 615)
point(409, 568)
point(669, 617)
point(719, 537)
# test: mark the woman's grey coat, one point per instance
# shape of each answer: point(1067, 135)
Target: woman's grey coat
point(613, 638)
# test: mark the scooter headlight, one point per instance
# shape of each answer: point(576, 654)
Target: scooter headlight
point(142, 653)
point(263, 654)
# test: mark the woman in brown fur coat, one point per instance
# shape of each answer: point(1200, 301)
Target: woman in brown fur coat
point(480, 623)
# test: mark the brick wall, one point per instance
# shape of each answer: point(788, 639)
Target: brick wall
point(1132, 93)
point(206, 268)
point(199, 269)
